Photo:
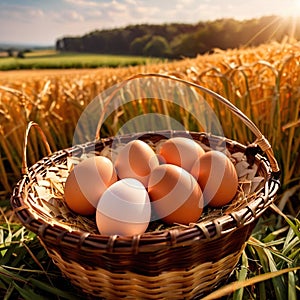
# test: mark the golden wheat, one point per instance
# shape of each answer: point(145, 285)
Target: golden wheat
point(264, 82)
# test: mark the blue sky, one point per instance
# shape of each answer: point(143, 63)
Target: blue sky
point(42, 22)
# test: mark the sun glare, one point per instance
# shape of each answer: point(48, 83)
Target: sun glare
point(297, 4)
point(293, 9)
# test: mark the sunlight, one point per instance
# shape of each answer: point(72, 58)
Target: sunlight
point(293, 12)
point(293, 9)
point(297, 5)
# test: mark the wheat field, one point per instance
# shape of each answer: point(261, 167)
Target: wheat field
point(264, 82)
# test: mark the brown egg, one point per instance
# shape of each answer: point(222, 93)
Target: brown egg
point(87, 182)
point(136, 160)
point(181, 151)
point(175, 194)
point(217, 178)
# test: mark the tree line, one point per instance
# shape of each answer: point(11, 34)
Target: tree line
point(177, 40)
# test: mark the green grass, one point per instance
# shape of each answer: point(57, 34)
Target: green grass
point(268, 268)
point(26, 272)
point(50, 59)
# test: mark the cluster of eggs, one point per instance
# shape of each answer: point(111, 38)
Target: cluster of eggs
point(174, 184)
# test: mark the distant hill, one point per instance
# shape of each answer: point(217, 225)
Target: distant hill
point(177, 40)
point(20, 46)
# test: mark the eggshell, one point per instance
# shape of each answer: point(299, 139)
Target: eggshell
point(217, 178)
point(124, 209)
point(181, 151)
point(175, 194)
point(136, 160)
point(86, 183)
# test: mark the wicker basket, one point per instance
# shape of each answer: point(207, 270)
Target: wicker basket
point(180, 262)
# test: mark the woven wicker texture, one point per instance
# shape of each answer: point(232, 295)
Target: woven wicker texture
point(181, 284)
point(177, 261)
point(166, 262)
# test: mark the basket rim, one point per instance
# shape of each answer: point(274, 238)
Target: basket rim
point(149, 241)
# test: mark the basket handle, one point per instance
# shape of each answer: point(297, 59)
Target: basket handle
point(261, 140)
point(44, 139)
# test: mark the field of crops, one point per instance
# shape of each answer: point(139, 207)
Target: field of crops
point(50, 59)
point(264, 82)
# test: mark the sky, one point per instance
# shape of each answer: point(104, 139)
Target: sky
point(39, 22)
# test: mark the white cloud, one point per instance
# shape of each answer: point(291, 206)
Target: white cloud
point(94, 14)
point(189, 12)
point(82, 3)
point(130, 2)
point(52, 19)
point(147, 11)
point(20, 13)
point(115, 6)
point(187, 3)
point(37, 13)
point(66, 17)
point(75, 16)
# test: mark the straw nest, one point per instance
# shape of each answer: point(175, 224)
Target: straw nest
point(48, 191)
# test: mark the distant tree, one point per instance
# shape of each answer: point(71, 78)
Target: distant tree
point(179, 40)
point(10, 52)
point(20, 54)
point(157, 47)
point(208, 38)
point(27, 50)
point(94, 42)
point(59, 45)
point(184, 45)
point(72, 44)
point(138, 44)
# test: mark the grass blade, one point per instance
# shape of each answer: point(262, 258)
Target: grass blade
point(9, 292)
point(230, 288)
point(27, 294)
point(52, 290)
point(292, 292)
point(295, 227)
point(242, 275)
point(278, 283)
